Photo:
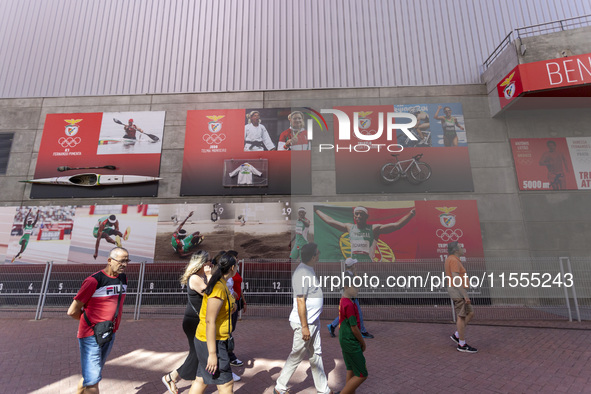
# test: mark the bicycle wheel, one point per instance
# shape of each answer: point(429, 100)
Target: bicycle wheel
point(419, 172)
point(390, 172)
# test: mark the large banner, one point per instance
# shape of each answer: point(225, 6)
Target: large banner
point(118, 151)
point(246, 152)
point(254, 230)
point(78, 235)
point(437, 161)
point(552, 163)
point(390, 231)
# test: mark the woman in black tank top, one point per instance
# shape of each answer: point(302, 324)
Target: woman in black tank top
point(195, 278)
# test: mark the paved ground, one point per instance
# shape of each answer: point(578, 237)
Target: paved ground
point(42, 357)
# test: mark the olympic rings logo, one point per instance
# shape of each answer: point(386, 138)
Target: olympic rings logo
point(214, 138)
point(368, 132)
point(69, 142)
point(449, 234)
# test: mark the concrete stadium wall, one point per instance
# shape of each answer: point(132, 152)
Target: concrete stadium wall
point(513, 223)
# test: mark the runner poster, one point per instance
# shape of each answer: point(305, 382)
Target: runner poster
point(553, 163)
point(391, 231)
point(99, 228)
point(269, 148)
point(119, 153)
point(437, 161)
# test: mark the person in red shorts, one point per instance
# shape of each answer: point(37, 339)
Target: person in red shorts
point(350, 338)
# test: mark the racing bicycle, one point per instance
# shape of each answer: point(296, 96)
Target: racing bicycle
point(414, 170)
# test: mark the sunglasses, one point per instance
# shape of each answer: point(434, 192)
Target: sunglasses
point(124, 261)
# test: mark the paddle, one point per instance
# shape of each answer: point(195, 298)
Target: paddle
point(153, 137)
point(66, 168)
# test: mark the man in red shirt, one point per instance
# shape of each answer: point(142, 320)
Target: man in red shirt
point(98, 297)
point(457, 284)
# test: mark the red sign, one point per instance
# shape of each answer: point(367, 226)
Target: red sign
point(543, 75)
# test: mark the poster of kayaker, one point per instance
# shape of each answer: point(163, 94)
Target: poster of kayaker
point(77, 158)
point(40, 234)
point(254, 230)
point(275, 135)
point(131, 133)
point(99, 228)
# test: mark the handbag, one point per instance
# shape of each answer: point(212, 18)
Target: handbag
point(230, 340)
point(103, 331)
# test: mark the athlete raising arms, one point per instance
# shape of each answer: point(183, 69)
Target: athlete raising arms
point(364, 236)
point(28, 226)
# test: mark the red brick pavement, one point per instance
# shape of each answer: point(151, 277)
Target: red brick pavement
point(42, 357)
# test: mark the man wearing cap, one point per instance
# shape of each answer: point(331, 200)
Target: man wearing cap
point(301, 234)
point(305, 322)
point(455, 274)
point(256, 136)
point(182, 243)
point(350, 272)
point(104, 229)
point(364, 236)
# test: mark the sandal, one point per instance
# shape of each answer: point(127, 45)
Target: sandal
point(170, 384)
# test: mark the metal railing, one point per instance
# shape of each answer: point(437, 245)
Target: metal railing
point(539, 29)
point(507, 289)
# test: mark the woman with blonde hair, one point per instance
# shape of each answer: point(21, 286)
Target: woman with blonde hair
point(195, 277)
point(213, 339)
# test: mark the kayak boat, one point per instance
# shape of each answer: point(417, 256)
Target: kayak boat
point(94, 180)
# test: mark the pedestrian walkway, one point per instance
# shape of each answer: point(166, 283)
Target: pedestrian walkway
point(42, 357)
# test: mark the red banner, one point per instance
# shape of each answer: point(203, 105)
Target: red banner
point(543, 75)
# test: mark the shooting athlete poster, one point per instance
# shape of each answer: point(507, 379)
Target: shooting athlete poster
point(99, 228)
point(119, 150)
point(246, 136)
point(552, 163)
point(406, 230)
point(438, 161)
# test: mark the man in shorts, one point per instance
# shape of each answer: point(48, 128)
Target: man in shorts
point(457, 281)
point(301, 234)
point(350, 338)
point(98, 298)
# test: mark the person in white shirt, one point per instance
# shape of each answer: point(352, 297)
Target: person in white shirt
point(305, 322)
point(256, 136)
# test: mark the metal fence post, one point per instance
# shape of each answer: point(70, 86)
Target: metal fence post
point(570, 315)
point(43, 291)
point(140, 290)
point(574, 291)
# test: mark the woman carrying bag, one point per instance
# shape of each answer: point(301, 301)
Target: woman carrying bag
point(213, 338)
point(195, 278)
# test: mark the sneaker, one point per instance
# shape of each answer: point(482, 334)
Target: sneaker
point(454, 338)
point(118, 241)
point(367, 335)
point(467, 349)
point(331, 329)
point(275, 391)
point(235, 377)
point(236, 363)
point(126, 235)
